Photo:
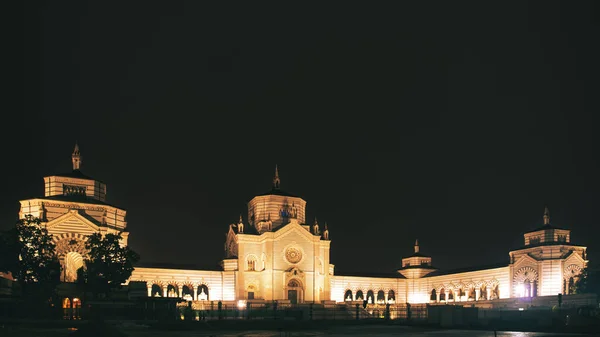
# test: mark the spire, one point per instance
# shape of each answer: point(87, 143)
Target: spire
point(326, 233)
point(240, 219)
point(276, 181)
point(76, 158)
point(240, 226)
point(416, 245)
point(546, 216)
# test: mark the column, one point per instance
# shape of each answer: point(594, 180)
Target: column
point(164, 289)
point(456, 292)
point(195, 293)
point(488, 292)
point(437, 296)
point(149, 291)
point(477, 291)
point(385, 297)
point(468, 293)
point(179, 290)
point(530, 289)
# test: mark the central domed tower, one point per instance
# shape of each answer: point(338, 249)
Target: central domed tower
point(275, 208)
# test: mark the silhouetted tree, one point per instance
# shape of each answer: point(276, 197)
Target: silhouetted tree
point(588, 281)
point(108, 264)
point(29, 253)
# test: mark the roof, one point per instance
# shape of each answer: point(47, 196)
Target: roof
point(548, 226)
point(417, 255)
point(467, 269)
point(418, 266)
point(551, 243)
point(371, 274)
point(276, 191)
point(78, 198)
point(76, 174)
point(166, 265)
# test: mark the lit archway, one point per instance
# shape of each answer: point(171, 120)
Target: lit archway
point(360, 296)
point(72, 262)
point(370, 297)
point(391, 296)
point(380, 296)
point(156, 290)
point(348, 295)
point(203, 292)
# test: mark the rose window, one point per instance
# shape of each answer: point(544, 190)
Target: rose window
point(293, 255)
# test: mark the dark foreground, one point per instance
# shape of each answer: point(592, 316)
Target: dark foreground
point(333, 329)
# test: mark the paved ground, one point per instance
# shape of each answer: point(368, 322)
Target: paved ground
point(341, 331)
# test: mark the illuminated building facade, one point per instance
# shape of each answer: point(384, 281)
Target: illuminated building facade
point(277, 256)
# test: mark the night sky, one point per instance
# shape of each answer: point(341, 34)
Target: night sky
point(452, 122)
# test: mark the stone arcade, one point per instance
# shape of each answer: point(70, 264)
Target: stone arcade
point(277, 255)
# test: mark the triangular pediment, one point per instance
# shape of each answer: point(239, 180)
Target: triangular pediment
point(574, 258)
point(294, 227)
point(525, 260)
point(72, 222)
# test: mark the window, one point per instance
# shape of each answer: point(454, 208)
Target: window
point(73, 190)
point(251, 263)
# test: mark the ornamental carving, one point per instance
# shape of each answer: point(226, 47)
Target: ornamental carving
point(526, 273)
point(293, 255)
point(571, 270)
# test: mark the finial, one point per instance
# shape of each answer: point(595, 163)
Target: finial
point(76, 157)
point(276, 181)
point(416, 245)
point(316, 222)
point(326, 232)
point(546, 216)
point(240, 218)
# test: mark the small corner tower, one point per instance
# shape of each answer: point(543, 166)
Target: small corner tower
point(76, 158)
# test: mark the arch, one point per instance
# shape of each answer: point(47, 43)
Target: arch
point(295, 291)
point(495, 291)
point(526, 273)
point(571, 270)
point(442, 294)
point(251, 263)
point(172, 290)
point(187, 292)
point(380, 296)
point(483, 292)
point(433, 295)
point(72, 261)
point(359, 295)
point(203, 294)
point(391, 296)
point(370, 296)
point(348, 295)
point(156, 290)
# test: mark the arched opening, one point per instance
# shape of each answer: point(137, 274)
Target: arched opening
point(571, 285)
point(250, 292)
point(370, 297)
point(294, 291)
point(527, 288)
point(360, 296)
point(172, 291)
point(348, 295)
point(251, 263)
point(380, 297)
point(471, 294)
point(450, 295)
point(187, 293)
point(156, 290)
point(483, 293)
point(391, 296)
point(72, 262)
point(495, 292)
point(203, 292)
point(442, 294)
point(433, 296)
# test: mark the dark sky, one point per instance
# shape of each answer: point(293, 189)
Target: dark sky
point(451, 122)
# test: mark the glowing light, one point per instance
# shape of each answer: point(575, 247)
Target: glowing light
point(521, 309)
point(521, 290)
point(241, 304)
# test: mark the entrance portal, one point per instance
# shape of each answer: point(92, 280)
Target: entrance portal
point(293, 296)
point(294, 291)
